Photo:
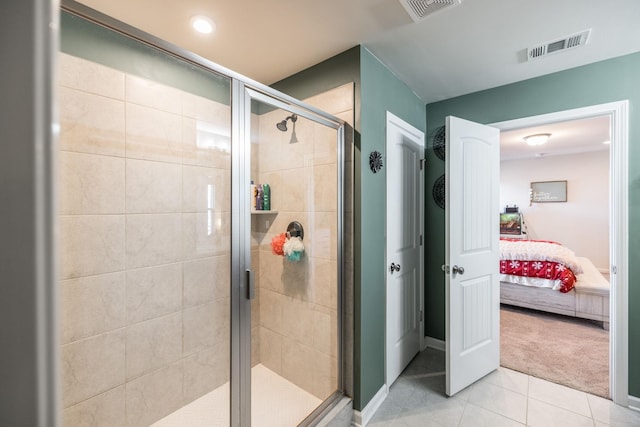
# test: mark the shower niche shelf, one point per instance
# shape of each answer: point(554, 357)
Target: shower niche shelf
point(264, 212)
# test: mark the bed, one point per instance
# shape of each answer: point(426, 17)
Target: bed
point(547, 276)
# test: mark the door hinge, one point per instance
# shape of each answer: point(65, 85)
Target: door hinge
point(422, 163)
point(421, 240)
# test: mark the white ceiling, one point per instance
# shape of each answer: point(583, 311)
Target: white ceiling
point(476, 45)
point(570, 137)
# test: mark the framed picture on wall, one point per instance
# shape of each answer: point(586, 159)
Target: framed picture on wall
point(548, 191)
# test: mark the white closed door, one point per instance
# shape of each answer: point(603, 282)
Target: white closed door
point(405, 149)
point(472, 289)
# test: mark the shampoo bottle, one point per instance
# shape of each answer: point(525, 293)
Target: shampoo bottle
point(254, 194)
point(260, 198)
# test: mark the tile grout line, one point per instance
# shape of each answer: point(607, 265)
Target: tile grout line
point(586, 395)
point(593, 417)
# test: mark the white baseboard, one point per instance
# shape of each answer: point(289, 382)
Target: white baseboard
point(362, 418)
point(423, 343)
point(634, 403)
point(436, 343)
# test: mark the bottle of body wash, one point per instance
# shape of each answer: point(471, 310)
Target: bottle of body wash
point(266, 189)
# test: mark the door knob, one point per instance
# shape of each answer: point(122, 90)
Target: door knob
point(394, 267)
point(457, 270)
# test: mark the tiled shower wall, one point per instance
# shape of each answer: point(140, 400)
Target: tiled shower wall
point(144, 231)
point(297, 326)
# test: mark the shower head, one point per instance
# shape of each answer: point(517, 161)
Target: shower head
point(282, 126)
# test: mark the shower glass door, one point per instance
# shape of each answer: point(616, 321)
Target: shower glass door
point(144, 229)
point(183, 303)
point(294, 197)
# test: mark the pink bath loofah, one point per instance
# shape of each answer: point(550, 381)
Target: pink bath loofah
point(277, 244)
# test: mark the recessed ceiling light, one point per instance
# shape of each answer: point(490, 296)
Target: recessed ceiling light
point(606, 142)
point(202, 24)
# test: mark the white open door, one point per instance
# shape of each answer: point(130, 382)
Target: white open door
point(405, 149)
point(472, 289)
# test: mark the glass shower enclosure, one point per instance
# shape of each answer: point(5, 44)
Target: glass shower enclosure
point(200, 240)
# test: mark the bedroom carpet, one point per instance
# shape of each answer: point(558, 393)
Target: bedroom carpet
point(560, 349)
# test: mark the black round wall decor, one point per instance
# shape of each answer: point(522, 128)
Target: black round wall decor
point(375, 161)
point(438, 191)
point(439, 146)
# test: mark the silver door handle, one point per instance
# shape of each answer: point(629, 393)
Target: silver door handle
point(394, 267)
point(457, 270)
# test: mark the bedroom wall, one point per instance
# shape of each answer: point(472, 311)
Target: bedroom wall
point(601, 82)
point(586, 209)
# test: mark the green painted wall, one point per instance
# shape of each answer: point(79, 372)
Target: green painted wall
point(84, 39)
point(607, 81)
point(381, 91)
point(334, 72)
point(377, 90)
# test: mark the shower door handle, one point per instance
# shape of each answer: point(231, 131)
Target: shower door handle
point(251, 284)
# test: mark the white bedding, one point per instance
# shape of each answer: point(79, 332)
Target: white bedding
point(591, 281)
point(537, 282)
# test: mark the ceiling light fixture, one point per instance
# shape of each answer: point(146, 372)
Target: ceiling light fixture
point(202, 24)
point(606, 142)
point(537, 139)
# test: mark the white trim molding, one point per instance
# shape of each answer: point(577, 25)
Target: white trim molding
point(415, 138)
point(362, 418)
point(619, 230)
point(436, 343)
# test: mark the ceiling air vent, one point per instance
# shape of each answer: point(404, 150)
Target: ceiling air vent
point(420, 9)
point(568, 42)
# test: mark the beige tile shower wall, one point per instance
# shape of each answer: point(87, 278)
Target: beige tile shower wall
point(298, 300)
point(144, 231)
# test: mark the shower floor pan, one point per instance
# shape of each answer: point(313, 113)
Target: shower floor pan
point(276, 403)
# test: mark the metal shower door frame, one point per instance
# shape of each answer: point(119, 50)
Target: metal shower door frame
point(243, 91)
point(243, 94)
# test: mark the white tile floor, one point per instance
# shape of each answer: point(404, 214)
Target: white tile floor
point(276, 402)
point(504, 398)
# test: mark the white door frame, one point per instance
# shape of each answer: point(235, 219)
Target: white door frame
point(618, 230)
point(414, 134)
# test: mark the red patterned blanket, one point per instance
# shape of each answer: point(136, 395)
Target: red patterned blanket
point(540, 259)
point(541, 269)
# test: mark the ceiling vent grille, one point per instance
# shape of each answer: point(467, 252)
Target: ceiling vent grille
point(568, 42)
point(421, 9)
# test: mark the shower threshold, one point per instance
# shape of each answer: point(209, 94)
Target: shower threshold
point(276, 402)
